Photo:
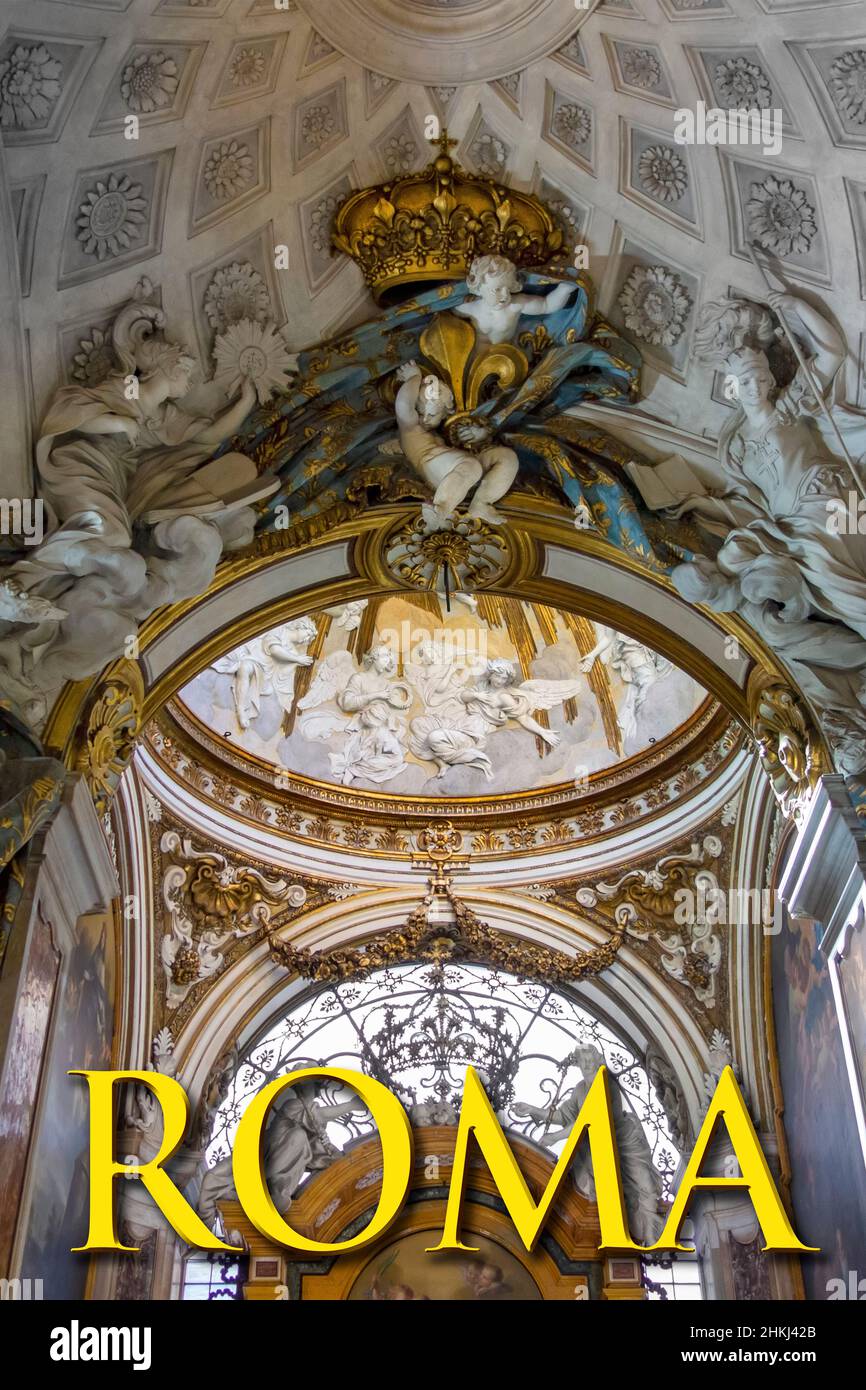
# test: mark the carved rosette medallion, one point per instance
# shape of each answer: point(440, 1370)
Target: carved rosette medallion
point(468, 555)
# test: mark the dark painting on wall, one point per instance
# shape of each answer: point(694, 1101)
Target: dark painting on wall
point(851, 965)
point(828, 1186)
point(58, 1205)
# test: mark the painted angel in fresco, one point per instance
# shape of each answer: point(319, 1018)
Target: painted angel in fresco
point(789, 561)
point(373, 749)
point(422, 404)
point(641, 1180)
point(497, 302)
point(267, 666)
point(296, 1142)
point(637, 666)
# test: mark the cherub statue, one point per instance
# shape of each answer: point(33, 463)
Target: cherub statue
point(637, 666)
point(374, 699)
point(641, 1180)
point(498, 303)
point(421, 405)
point(267, 666)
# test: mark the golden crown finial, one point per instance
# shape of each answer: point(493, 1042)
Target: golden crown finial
point(430, 225)
point(443, 142)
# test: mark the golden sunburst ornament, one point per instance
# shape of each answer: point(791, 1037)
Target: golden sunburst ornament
point(255, 352)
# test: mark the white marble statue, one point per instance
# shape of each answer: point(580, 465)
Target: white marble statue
point(790, 560)
point(267, 666)
point(138, 510)
point(498, 302)
point(421, 405)
point(637, 666)
point(295, 1142)
point(641, 1180)
point(373, 749)
point(455, 732)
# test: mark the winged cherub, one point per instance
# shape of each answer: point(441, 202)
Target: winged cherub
point(421, 405)
point(457, 732)
point(499, 303)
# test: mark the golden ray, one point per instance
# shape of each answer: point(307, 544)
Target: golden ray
point(304, 674)
point(584, 635)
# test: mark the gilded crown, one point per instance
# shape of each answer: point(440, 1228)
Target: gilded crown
point(430, 225)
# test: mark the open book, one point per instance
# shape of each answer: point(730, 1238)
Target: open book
point(666, 483)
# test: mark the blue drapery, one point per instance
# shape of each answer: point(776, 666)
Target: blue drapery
point(328, 430)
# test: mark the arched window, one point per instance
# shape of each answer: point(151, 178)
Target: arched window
point(417, 1027)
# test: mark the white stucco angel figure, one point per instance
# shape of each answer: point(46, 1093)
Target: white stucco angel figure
point(498, 302)
point(348, 615)
point(267, 666)
point(455, 734)
point(435, 673)
point(421, 405)
point(445, 733)
point(138, 508)
point(296, 1142)
point(789, 560)
point(499, 696)
point(637, 666)
point(641, 1180)
point(373, 748)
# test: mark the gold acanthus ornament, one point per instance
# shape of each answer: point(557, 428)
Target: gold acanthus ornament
point(788, 743)
point(110, 726)
point(430, 225)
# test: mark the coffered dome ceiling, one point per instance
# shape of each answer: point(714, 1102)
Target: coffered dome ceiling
point(254, 120)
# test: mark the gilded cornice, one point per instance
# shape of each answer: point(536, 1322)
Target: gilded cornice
point(493, 827)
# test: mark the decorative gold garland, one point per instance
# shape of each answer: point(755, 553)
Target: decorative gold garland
point(468, 939)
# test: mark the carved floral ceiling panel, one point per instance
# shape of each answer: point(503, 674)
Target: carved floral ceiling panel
point(402, 696)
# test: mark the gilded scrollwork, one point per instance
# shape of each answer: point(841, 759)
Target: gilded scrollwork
point(209, 903)
point(111, 725)
point(436, 935)
point(788, 743)
point(673, 907)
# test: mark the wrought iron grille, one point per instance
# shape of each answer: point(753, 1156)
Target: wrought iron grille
point(417, 1027)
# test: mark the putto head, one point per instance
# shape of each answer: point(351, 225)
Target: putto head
point(380, 659)
point(494, 279)
point(435, 401)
